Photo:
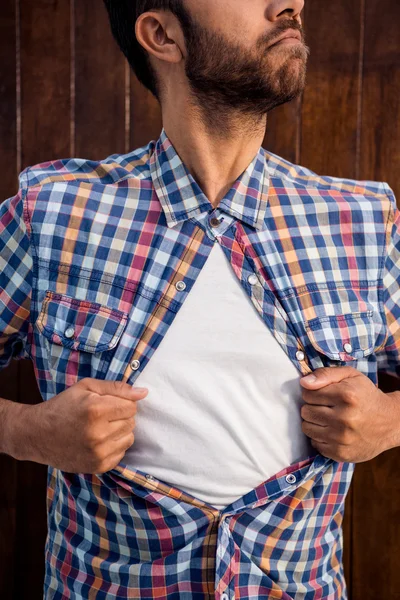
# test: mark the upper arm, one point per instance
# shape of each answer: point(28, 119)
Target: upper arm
point(388, 358)
point(15, 276)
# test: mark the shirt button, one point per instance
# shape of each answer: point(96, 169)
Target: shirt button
point(214, 222)
point(135, 364)
point(224, 597)
point(150, 477)
point(252, 279)
point(290, 478)
point(69, 332)
point(348, 348)
point(300, 355)
point(180, 285)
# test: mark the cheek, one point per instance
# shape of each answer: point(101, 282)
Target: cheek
point(226, 18)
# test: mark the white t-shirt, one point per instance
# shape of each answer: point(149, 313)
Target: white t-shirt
point(223, 410)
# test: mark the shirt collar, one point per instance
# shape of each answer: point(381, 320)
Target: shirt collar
point(181, 197)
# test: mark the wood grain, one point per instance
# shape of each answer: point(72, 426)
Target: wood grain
point(99, 84)
point(66, 90)
point(376, 488)
point(45, 135)
point(9, 377)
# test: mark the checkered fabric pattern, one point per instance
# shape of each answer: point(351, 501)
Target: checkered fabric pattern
point(96, 259)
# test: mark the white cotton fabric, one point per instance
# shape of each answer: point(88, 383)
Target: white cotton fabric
point(223, 410)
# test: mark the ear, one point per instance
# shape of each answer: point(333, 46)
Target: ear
point(160, 34)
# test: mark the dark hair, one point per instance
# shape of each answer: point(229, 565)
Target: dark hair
point(123, 15)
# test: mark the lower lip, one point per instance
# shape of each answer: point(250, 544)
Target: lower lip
point(287, 41)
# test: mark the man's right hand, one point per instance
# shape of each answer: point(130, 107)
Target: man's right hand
point(85, 429)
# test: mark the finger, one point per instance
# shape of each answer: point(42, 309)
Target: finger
point(118, 409)
point(119, 389)
point(316, 432)
point(322, 447)
point(328, 375)
point(125, 442)
point(118, 429)
point(328, 396)
point(318, 415)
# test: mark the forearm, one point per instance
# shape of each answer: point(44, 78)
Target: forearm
point(14, 429)
point(394, 418)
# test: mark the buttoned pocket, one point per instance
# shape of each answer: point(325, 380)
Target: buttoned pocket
point(77, 334)
point(344, 337)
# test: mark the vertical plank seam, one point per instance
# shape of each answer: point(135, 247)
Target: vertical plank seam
point(299, 125)
point(18, 134)
point(18, 84)
point(360, 88)
point(357, 175)
point(72, 78)
point(299, 129)
point(127, 106)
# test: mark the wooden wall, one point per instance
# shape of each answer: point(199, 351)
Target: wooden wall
point(67, 91)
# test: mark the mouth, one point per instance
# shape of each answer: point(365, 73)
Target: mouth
point(290, 37)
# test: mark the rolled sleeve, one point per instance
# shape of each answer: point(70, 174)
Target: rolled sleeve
point(15, 276)
point(388, 358)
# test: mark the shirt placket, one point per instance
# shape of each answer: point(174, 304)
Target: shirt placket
point(221, 551)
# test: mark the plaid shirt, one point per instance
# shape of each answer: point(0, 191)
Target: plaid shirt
point(97, 257)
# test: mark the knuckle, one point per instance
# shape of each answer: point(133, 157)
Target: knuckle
point(119, 386)
point(341, 422)
point(102, 467)
point(97, 437)
point(130, 439)
point(304, 426)
point(345, 436)
point(101, 458)
point(343, 455)
point(350, 396)
point(116, 385)
point(93, 409)
point(323, 371)
point(352, 422)
point(89, 438)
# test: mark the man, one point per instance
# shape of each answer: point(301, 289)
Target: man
point(234, 271)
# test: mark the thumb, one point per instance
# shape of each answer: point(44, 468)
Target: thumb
point(327, 375)
point(119, 389)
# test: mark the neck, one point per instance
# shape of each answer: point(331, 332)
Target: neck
point(214, 157)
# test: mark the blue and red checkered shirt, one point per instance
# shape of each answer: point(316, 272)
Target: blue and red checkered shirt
point(96, 259)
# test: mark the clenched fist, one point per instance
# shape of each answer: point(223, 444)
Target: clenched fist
point(85, 429)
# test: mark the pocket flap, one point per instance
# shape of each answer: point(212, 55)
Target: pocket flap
point(80, 324)
point(343, 337)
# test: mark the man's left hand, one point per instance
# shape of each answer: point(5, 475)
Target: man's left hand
point(347, 417)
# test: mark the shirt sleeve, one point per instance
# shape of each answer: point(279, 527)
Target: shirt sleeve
point(388, 358)
point(15, 276)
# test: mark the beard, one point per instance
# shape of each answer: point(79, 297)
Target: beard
point(224, 77)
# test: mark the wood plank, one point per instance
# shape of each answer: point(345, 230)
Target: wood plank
point(8, 495)
point(45, 134)
point(99, 84)
point(377, 487)
point(8, 100)
point(45, 80)
point(380, 125)
point(8, 377)
point(331, 99)
point(282, 135)
point(30, 507)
